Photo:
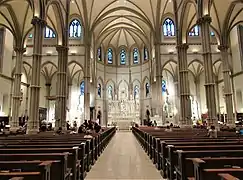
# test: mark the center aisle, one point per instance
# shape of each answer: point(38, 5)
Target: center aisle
point(123, 159)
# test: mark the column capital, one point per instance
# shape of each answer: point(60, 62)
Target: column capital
point(37, 20)
point(19, 49)
point(182, 46)
point(204, 19)
point(223, 47)
point(61, 48)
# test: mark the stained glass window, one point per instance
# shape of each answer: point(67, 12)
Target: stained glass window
point(82, 88)
point(99, 54)
point(110, 56)
point(163, 86)
point(75, 29)
point(49, 33)
point(135, 55)
point(136, 92)
point(212, 33)
point(147, 89)
point(169, 27)
point(123, 57)
point(99, 90)
point(194, 31)
point(145, 54)
point(110, 92)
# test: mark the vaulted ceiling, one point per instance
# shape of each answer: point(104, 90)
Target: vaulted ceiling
point(121, 22)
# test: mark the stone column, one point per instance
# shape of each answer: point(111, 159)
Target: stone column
point(62, 86)
point(217, 95)
point(33, 122)
point(27, 100)
point(198, 96)
point(142, 110)
point(69, 96)
point(185, 111)
point(87, 83)
point(227, 85)
point(14, 124)
point(104, 115)
point(10, 101)
point(159, 108)
point(48, 93)
point(177, 102)
point(204, 23)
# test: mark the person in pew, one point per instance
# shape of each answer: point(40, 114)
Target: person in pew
point(155, 123)
point(85, 123)
point(212, 132)
point(59, 131)
point(68, 125)
point(81, 129)
point(75, 125)
point(97, 128)
point(90, 125)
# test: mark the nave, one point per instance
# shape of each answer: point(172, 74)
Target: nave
point(123, 159)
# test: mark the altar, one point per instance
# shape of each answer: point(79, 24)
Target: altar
point(123, 113)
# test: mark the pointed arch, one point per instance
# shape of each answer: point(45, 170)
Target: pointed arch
point(123, 56)
point(75, 28)
point(168, 27)
point(110, 55)
point(135, 55)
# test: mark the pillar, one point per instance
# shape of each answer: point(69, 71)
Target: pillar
point(198, 96)
point(177, 102)
point(227, 85)
point(185, 103)
point(204, 23)
point(142, 110)
point(33, 122)
point(217, 96)
point(27, 100)
point(48, 93)
point(62, 87)
point(14, 123)
point(87, 84)
point(159, 105)
point(104, 115)
point(10, 101)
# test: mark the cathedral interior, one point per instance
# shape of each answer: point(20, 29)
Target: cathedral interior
point(175, 61)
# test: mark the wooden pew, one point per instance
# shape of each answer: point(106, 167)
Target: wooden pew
point(72, 161)
point(184, 167)
point(26, 175)
point(44, 167)
point(225, 176)
point(32, 147)
point(214, 163)
point(17, 178)
point(64, 174)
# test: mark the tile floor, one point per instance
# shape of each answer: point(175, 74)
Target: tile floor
point(123, 159)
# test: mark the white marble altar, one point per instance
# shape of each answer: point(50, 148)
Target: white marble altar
point(123, 113)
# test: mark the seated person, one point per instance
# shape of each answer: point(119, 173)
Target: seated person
point(82, 129)
point(85, 124)
point(212, 132)
point(97, 128)
point(59, 131)
point(90, 125)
